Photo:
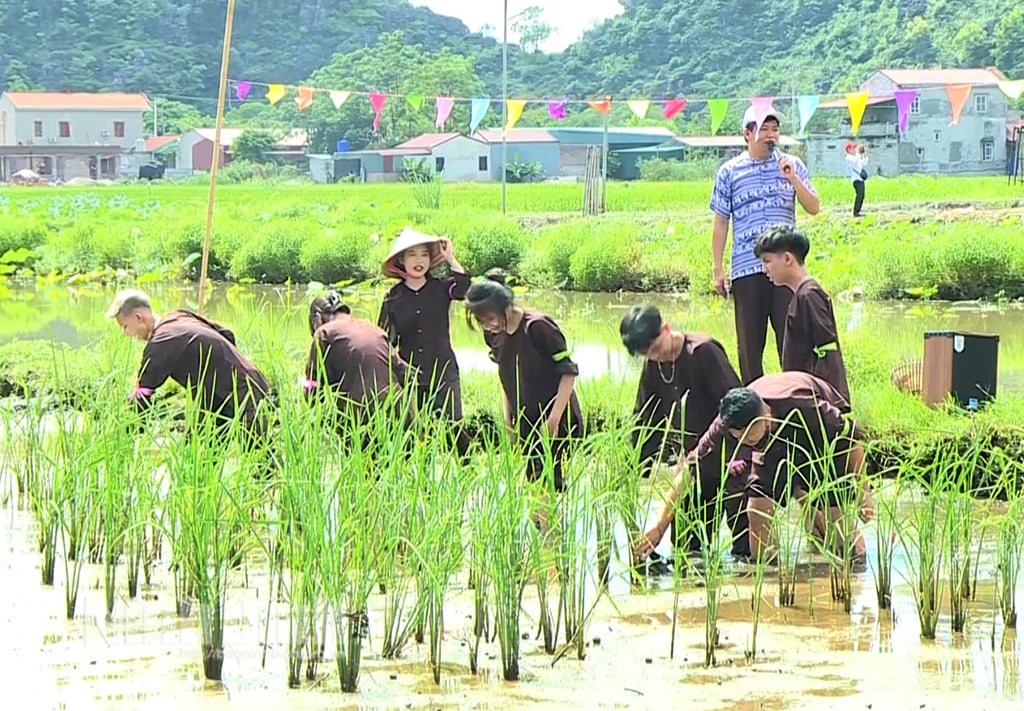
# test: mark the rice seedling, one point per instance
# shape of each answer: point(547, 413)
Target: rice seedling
point(761, 561)
point(713, 549)
point(788, 535)
point(886, 526)
point(478, 519)
point(921, 538)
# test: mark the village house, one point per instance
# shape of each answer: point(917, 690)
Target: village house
point(64, 135)
point(976, 144)
point(195, 149)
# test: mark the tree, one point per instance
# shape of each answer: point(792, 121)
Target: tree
point(16, 77)
point(1008, 43)
point(531, 28)
point(252, 145)
point(174, 118)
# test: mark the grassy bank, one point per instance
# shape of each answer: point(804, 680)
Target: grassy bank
point(914, 243)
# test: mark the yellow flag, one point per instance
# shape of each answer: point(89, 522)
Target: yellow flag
point(515, 110)
point(339, 97)
point(275, 92)
point(639, 108)
point(856, 103)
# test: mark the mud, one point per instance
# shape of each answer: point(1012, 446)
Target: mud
point(809, 656)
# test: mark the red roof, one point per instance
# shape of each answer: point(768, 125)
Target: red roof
point(872, 100)
point(398, 151)
point(55, 100)
point(517, 135)
point(154, 143)
point(942, 77)
point(427, 141)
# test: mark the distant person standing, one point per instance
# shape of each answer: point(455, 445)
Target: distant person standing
point(756, 190)
point(857, 162)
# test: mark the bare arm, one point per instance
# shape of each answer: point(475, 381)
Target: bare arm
point(808, 200)
point(565, 386)
point(719, 235)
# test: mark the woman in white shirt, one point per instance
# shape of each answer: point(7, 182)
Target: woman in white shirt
point(857, 164)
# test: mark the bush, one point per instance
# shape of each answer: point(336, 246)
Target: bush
point(608, 261)
point(660, 169)
point(271, 257)
point(336, 255)
point(15, 234)
point(485, 244)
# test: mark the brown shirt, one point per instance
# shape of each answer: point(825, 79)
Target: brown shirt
point(807, 413)
point(811, 341)
point(417, 324)
point(359, 364)
point(702, 373)
point(200, 354)
point(531, 362)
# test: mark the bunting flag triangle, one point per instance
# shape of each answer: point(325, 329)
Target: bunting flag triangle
point(515, 110)
point(339, 98)
point(377, 102)
point(806, 105)
point(718, 109)
point(305, 98)
point(444, 109)
point(477, 111)
point(957, 99)
point(856, 102)
point(603, 106)
point(762, 107)
point(415, 101)
point(1012, 89)
point(639, 107)
point(556, 109)
point(242, 89)
point(673, 107)
point(904, 100)
point(275, 92)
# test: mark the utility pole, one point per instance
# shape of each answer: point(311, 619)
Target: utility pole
point(504, 107)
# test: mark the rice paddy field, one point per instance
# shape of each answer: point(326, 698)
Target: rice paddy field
point(148, 565)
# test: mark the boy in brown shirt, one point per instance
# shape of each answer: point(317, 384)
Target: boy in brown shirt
point(811, 338)
point(684, 377)
point(784, 417)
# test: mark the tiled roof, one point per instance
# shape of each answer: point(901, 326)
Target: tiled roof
point(942, 77)
point(521, 135)
point(56, 100)
point(154, 143)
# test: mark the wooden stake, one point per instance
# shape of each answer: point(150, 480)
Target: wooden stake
point(226, 53)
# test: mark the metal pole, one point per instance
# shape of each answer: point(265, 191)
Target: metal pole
point(604, 159)
point(216, 152)
point(504, 106)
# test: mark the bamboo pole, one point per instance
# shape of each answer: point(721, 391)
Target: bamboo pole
point(225, 55)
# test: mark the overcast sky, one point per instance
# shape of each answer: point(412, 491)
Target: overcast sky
point(568, 18)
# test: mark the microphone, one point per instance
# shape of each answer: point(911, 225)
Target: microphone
point(776, 154)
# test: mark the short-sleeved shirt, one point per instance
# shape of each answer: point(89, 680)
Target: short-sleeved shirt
point(201, 357)
point(417, 324)
point(807, 414)
point(359, 364)
point(811, 339)
point(701, 372)
point(531, 362)
point(755, 196)
point(855, 164)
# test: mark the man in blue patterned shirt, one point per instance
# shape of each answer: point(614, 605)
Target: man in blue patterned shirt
point(756, 190)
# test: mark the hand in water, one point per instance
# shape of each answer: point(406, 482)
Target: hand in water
point(867, 507)
point(647, 543)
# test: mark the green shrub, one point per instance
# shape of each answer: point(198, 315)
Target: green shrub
point(336, 255)
point(485, 244)
point(271, 256)
point(660, 170)
point(15, 234)
point(607, 260)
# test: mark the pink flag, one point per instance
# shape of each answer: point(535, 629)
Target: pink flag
point(377, 102)
point(673, 107)
point(556, 109)
point(904, 100)
point(444, 109)
point(762, 106)
point(242, 89)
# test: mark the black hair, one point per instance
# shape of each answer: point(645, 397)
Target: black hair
point(327, 305)
point(753, 124)
point(783, 238)
point(739, 407)
point(489, 295)
point(639, 327)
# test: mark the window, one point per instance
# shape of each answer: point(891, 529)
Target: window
point(119, 129)
point(915, 106)
point(482, 164)
point(988, 150)
point(37, 129)
point(107, 166)
point(981, 103)
point(938, 136)
point(439, 164)
point(65, 129)
point(920, 152)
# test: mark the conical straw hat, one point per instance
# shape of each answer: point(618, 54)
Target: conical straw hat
point(410, 238)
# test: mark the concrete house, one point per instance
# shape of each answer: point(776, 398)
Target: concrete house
point(196, 150)
point(65, 135)
point(523, 145)
point(931, 144)
point(573, 144)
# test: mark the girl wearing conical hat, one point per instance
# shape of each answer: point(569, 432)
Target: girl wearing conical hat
point(415, 315)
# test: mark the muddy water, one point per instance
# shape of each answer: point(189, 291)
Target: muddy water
point(74, 315)
point(812, 655)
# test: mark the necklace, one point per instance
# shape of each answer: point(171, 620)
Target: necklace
point(671, 378)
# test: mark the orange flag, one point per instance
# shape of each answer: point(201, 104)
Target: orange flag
point(856, 103)
point(603, 106)
point(305, 98)
point(957, 99)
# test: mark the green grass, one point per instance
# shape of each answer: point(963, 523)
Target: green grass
point(655, 236)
